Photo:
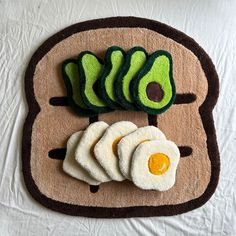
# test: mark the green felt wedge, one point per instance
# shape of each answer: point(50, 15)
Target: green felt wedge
point(134, 62)
point(153, 91)
point(72, 82)
point(114, 60)
point(90, 70)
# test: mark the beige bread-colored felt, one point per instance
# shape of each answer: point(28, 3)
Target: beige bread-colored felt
point(181, 123)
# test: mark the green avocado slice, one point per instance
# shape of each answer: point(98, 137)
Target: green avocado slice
point(114, 60)
point(90, 69)
point(72, 82)
point(153, 91)
point(134, 62)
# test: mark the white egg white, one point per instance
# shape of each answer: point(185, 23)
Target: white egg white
point(140, 174)
point(70, 166)
point(104, 152)
point(84, 153)
point(128, 144)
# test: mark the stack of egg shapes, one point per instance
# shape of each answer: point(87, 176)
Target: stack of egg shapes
point(103, 153)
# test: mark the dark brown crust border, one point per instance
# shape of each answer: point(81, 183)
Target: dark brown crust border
point(205, 111)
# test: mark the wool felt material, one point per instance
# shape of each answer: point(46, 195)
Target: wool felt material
point(135, 59)
point(114, 60)
point(70, 166)
point(194, 73)
point(140, 173)
point(158, 69)
point(129, 143)
point(105, 149)
point(72, 82)
point(90, 69)
point(84, 151)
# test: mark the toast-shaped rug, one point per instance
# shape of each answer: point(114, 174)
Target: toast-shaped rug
point(129, 74)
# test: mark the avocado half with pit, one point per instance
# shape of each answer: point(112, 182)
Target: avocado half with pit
point(114, 60)
point(153, 90)
point(135, 60)
point(72, 82)
point(90, 70)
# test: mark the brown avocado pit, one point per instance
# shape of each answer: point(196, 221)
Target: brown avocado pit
point(154, 91)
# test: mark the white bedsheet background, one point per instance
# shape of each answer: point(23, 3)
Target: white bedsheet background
point(25, 24)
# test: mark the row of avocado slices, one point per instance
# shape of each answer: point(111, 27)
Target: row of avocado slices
point(129, 81)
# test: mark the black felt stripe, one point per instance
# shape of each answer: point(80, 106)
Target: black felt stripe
point(59, 101)
point(185, 151)
point(93, 119)
point(184, 98)
point(152, 120)
point(93, 188)
point(60, 153)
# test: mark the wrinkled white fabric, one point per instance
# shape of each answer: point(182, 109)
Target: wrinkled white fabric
point(25, 24)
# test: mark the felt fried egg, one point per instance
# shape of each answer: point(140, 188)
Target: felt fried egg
point(106, 149)
point(70, 166)
point(128, 144)
point(84, 154)
point(154, 165)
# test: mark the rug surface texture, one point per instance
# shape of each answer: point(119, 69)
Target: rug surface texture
point(188, 122)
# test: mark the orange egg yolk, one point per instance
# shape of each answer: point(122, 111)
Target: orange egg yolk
point(158, 163)
point(114, 145)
